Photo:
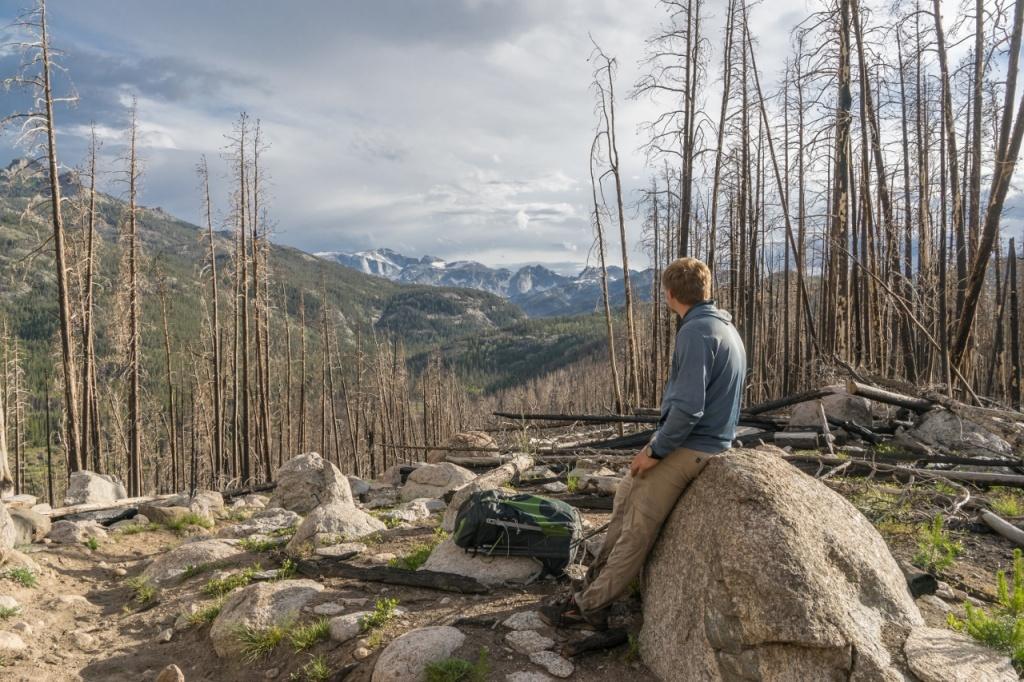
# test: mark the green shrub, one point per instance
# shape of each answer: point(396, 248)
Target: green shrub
point(21, 575)
point(143, 591)
point(287, 570)
point(1006, 502)
point(459, 669)
point(936, 551)
point(383, 612)
point(9, 612)
point(572, 484)
point(218, 587)
point(258, 643)
point(206, 614)
point(92, 543)
point(420, 553)
point(188, 521)
point(303, 637)
point(316, 670)
point(1001, 628)
point(257, 545)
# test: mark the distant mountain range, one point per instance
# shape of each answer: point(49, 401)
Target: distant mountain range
point(537, 290)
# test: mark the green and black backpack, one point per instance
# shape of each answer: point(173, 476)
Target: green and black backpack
point(497, 524)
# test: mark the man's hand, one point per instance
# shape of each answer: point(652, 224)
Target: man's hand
point(642, 463)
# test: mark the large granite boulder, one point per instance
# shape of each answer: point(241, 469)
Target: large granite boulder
point(333, 523)
point(266, 522)
point(943, 429)
point(308, 481)
point(492, 480)
point(435, 480)
point(8, 531)
point(31, 526)
point(763, 573)
point(86, 487)
point(258, 607)
point(171, 566)
point(838, 405)
point(464, 444)
point(65, 532)
point(448, 557)
point(406, 658)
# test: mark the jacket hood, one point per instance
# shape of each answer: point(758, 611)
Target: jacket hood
point(706, 309)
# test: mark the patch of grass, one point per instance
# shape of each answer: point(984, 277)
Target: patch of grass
point(239, 515)
point(258, 643)
point(316, 670)
point(1002, 628)
point(257, 545)
point(92, 543)
point(218, 587)
point(632, 649)
point(21, 575)
point(144, 591)
point(374, 538)
point(9, 612)
point(206, 614)
point(287, 570)
point(283, 532)
point(945, 488)
point(137, 528)
point(572, 484)
point(459, 669)
point(420, 553)
point(187, 521)
point(1006, 502)
point(890, 528)
point(305, 636)
point(192, 570)
point(936, 550)
point(382, 614)
point(388, 521)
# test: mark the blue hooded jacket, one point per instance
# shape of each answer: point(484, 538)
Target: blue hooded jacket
point(701, 404)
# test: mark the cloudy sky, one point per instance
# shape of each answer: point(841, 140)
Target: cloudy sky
point(458, 128)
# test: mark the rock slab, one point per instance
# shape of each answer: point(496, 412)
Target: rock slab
point(936, 655)
point(308, 481)
point(752, 579)
point(86, 487)
point(448, 557)
point(259, 606)
point(405, 659)
point(434, 480)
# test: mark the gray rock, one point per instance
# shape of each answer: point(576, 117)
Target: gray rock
point(344, 628)
point(86, 487)
point(8, 602)
point(414, 510)
point(434, 480)
point(358, 486)
point(941, 428)
point(528, 676)
point(405, 659)
point(601, 485)
point(75, 532)
point(839, 405)
point(492, 480)
point(11, 643)
point(554, 487)
point(8, 530)
point(167, 514)
point(553, 663)
point(815, 592)
point(270, 521)
point(22, 501)
point(308, 481)
point(169, 568)
point(331, 524)
point(450, 558)
point(528, 641)
point(171, 673)
point(524, 620)
point(328, 609)
point(31, 526)
point(470, 444)
point(256, 501)
point(259, 606)
point(936, 655)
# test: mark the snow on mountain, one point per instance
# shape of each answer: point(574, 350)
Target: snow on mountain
point(538, 290)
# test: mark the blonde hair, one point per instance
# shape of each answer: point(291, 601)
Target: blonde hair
point(688, 280)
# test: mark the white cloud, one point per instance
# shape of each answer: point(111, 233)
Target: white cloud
point(522, 220)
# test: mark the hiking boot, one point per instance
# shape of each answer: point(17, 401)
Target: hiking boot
point(566, 613)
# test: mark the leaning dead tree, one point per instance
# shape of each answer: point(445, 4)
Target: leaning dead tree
point(38, 128)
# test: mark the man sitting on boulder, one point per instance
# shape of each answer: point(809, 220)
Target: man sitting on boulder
point(699, 412)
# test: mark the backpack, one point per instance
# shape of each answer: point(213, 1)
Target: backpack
point(499, 524)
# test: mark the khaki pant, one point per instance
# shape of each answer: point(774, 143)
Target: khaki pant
point(640, 508)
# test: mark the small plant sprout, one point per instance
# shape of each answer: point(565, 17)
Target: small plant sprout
point(936, 551)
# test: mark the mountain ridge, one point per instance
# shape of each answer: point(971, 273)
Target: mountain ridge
point(536, 289)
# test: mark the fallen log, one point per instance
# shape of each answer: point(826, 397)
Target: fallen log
point(261, 488)
point(786, 401)
point(61, 512)
point(1003, 527)
point(576, 418)
point(598, 502)
point(889, 397)
point(431, 580)
point(599, 641)
point(802, 440)
point(919, 582)
point(980, 478)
